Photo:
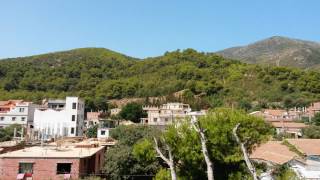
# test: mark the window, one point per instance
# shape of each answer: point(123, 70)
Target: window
point(25, 168)
point(103, 132)
point(21, 109)
point(74, 105)
point(73, 117)
point(1, 118)
point(23, 118)
point(155, 119)
point(63, 168)
point(166, 119)
point(72, 130)
point(13, 118)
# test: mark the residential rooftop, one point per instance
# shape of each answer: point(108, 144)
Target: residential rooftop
point(307, 146)
point(53, 152)
point(278, 153)
point(274, 152)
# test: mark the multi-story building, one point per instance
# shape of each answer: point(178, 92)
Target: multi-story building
point(16, 112)
point(165, 114)
point(59, 118)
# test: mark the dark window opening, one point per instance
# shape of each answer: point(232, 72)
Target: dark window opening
point(73, 117)
point(103, 132)
point(74, 105)
point(25, 168)
point(63, 168)
point(72, 130)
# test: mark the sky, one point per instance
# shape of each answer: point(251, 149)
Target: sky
point(146, 28)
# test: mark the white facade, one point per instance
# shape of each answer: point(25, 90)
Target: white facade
point(165, 114)
point(16, 112)
point(60, 118)
point(115, 111)
point(308, 169)
point(103, 133)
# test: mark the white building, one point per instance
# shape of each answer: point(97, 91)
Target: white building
point(16, 112)
point(115, 111)
point(104, 128)
point(165, 114)
point(60, 118)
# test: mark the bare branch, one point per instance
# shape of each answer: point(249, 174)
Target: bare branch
point(169, 161)
point(245, 154)
point(203, 140)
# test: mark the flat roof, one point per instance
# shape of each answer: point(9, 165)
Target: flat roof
point(53, 152)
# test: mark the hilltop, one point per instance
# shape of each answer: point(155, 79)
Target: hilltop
point(208, 80)
point(277, 51)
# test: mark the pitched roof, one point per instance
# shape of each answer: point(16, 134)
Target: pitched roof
point(275, 112)
point(273, 151)
point(288, 125)
point(307, 146)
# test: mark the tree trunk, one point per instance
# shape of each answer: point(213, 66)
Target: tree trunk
point(169, 161)
point(204, 149)
point(245, 154)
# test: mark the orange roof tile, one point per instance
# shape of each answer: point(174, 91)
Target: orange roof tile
point(307, 146)
point(275, 112)
point(274, 152)
point(288, 125)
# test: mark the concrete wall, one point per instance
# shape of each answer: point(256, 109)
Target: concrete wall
point(20, 117)
point(54, 123)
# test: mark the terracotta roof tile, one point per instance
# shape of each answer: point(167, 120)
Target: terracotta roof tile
point(288, 125)
point(307, 146)
point(273, 151)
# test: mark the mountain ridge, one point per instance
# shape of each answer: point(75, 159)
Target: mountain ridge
point(277, 51)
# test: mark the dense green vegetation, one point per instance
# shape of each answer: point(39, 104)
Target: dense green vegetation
point(120, 160)
point(224, 151)
point(133, 112)
point(6, 133)
point(99, 74)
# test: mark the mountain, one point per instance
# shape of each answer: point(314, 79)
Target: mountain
point(206, 79)
point(278, 51)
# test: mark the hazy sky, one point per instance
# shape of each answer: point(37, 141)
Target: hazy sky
point(143, 28)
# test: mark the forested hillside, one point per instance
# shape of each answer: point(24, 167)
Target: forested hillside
point(99, 74)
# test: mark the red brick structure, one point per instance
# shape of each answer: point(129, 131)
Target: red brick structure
point(50, 163)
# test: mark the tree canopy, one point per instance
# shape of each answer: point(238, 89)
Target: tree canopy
point(133, 112)
point(123, 159)
point(223, 149)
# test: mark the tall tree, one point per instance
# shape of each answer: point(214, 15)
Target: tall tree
point(133, 112)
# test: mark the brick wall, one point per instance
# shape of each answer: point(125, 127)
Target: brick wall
point(43, 169)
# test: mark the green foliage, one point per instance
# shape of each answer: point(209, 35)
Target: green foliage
point(163, 174)
point(92, 131)
point(6, 133)
point(100, 74)
point(283, 172)
point(219, 124)
point(144, 151)
point(133, 112)
point(316, 119)
point(312, 132)
point(223, 149)
point(125, 158)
